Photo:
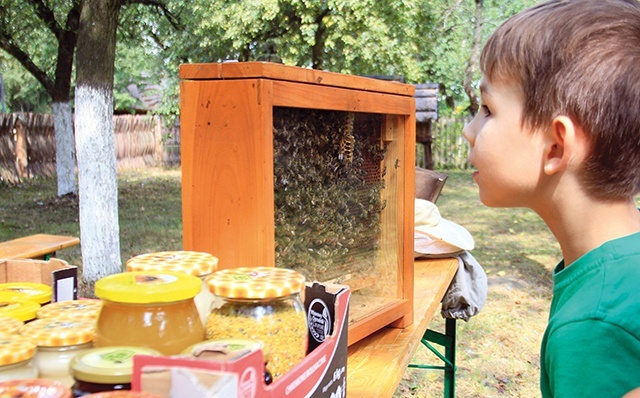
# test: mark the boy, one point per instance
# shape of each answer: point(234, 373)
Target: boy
point(559, 133)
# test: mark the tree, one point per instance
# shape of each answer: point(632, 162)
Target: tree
point(22, 34)
point(95, 142)
point(469, 73)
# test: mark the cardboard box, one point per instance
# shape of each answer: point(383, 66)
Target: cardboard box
point(322, 373)
point(62, 277)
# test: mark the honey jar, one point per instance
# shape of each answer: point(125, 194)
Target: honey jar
point(38, 292)
point(9, 326)
point(16, 353)
point(58, 342)
point(84, 309)
point(261, 304)
point(149, 309)
point(105, 369)
point(189, 262)
point(23, 310)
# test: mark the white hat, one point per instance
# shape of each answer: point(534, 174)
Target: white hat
point(435, 235)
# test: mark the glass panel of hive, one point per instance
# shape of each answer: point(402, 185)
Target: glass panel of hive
point(330, 201)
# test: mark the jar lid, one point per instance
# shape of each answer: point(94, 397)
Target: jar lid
point(37, 388)
point(49, 332)
point(188, 262)
point(14, 349)
point(147, 287)
point(255, 283)
point(24, 310)
point(88, 309)
point(9, 326)
point(107, 365)
point(38, 292)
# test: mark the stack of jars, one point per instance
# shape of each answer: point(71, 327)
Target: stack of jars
point(164, 304)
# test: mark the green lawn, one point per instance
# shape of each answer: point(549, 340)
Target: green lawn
point(497, 349)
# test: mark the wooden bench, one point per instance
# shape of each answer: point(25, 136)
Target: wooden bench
point(375, 365)
point(39, 246)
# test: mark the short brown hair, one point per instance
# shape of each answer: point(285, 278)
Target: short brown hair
point(580, 58)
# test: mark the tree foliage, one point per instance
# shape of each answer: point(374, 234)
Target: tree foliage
point(420, 40)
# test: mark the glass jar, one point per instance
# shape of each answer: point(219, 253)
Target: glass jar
point(38, 292)
point(58, 342)
point(105, 369)
point(34, 388)
point(23, 310)
point(9, 326)
point(84, 309)
point(16, 353)
point(149, 309)
point(189, 262)
point(261, 304)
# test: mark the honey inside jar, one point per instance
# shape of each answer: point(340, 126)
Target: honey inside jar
point(194, 263)
point(146, 309)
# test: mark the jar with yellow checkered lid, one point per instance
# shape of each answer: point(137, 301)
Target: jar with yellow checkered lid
point(149, 309)
point(16, 353)
point(194, 263)
point(261, 304)
point(9, 326)
point(30, 388)
point(58, 342)
point(83, 309)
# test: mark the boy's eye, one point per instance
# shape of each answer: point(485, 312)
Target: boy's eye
point(486, 110)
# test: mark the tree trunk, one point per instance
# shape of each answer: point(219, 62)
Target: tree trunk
point(473, 59)
point(95, 141)
point(65, 148)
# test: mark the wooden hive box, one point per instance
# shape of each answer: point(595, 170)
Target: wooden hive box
point(304, 169)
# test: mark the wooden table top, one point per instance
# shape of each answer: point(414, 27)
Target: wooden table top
point(375, 365)
point(35, 246)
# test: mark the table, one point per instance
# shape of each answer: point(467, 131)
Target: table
point(36, 246)
point(375, 364)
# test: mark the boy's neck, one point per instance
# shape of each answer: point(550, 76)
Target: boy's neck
point(583, 225)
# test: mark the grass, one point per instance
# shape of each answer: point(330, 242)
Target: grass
point(497, 350)
point(149, 209)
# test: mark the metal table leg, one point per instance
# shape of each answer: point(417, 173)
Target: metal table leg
point(448, 341)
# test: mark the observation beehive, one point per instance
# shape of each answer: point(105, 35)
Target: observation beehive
point(303, 169)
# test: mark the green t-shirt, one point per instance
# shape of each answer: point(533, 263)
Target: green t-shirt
point(591, 347)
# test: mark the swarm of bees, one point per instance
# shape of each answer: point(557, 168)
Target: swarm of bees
point(328, 191)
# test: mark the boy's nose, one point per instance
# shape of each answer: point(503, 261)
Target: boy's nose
point(468, 134)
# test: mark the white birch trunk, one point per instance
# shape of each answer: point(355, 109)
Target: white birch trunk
point(65, 148)
point(98, 187)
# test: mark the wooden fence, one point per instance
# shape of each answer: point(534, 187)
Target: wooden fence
point(449, 147)
point(27, 144)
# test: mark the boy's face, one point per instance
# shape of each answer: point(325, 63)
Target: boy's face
point(508, 157)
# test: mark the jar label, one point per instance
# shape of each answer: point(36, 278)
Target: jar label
point(110, 358)
point(319, 320)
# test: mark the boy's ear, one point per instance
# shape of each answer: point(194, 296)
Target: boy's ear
point(564, 142)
